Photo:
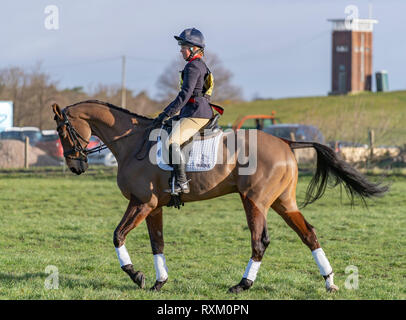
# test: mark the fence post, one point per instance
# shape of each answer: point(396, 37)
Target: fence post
point(27, 143)
point(371, 136)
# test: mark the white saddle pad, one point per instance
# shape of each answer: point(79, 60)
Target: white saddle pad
point(202, 156)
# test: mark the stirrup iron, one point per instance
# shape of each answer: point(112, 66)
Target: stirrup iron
point(175, 188)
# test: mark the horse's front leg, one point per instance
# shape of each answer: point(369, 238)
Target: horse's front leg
point(154, 223)
point(134, 215)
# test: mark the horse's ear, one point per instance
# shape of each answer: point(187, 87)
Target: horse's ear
point(57, 110)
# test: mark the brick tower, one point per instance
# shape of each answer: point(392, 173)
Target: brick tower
point(351, 55)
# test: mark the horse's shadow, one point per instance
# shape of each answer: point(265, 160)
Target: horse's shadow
point(257, 287)
point(73, 282)
point(68, 282)
point(21, 277)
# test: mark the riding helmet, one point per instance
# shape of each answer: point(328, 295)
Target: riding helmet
point(191, 36)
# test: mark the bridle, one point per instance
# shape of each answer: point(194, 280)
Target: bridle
point(76, 137)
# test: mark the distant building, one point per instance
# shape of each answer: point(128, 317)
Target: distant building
point(351, 55)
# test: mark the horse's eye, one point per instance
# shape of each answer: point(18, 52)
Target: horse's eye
point(61, 132)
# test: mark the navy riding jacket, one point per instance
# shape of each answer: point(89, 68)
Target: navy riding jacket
point(193, 81)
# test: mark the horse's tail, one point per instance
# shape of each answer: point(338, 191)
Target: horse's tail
point(330, 165)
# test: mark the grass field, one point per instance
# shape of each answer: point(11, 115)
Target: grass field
point(68, 222)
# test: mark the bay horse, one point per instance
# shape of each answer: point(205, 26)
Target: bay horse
point(272, 185)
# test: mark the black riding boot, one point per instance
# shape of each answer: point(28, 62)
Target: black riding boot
point(178, 162)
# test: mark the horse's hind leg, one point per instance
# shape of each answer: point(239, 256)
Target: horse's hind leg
point(154, 223)
point(136, 213)
point(256, 220)
point(286, 207)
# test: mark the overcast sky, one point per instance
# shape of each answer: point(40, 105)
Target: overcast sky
point(274, 48)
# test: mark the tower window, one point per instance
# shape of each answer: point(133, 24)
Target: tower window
point(342, 48)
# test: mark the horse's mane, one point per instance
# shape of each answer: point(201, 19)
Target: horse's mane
point(107, 104)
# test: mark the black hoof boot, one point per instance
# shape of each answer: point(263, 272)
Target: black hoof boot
point(137, 276)
point(244, 284)
point(158, 285)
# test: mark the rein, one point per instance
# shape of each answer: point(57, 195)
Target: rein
point(77, 147)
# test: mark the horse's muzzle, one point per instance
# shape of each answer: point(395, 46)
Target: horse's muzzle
point(78, 166)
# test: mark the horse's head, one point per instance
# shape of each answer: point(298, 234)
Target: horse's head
point(74, 134)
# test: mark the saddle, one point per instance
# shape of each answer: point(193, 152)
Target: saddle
point(200, 153)
point(208, 131)
point(200, 150)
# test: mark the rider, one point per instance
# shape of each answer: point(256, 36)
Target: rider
point(191, 101)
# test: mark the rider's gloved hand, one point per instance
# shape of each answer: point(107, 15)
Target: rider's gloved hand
point(160, 119)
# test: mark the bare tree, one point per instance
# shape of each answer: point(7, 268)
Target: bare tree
point(30, 92)
point(33, 91)
point(140, 103)
point(224, 90)
point(42, 91)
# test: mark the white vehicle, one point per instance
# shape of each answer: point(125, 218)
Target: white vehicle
point(19, 133)
point(33, 129)
point(49, 132)
point(104, 157)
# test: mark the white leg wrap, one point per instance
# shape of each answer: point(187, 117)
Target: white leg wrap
point(322, 262)
point(330, 281)
point(123, 256)
point(251, 270)
point(160, 267)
